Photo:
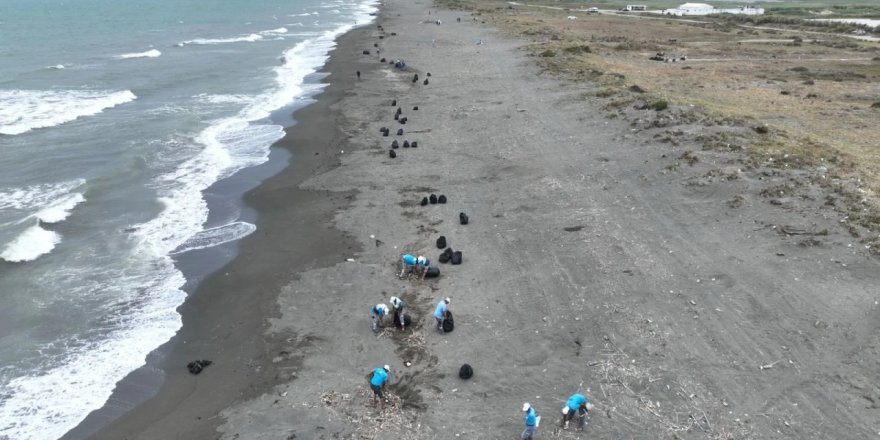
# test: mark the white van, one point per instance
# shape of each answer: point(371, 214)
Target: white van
point(593, 10)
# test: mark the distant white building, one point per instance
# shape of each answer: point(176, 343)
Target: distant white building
point(705, 9)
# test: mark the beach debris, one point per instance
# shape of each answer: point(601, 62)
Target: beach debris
point(445, 256)
point(767, 366)
point(400, 132)
point(426, 81)
point(416, 108)
point(466, 372)
point(196, 367)
point(394, 144)
point(424, 201)
point(366, 52)
point(392, 154)
point(350, 260)
point(405, 143)
point(441, 242)
point(393, 103)
point(414, 144)
point(432, 272)
point(433, 199)
point(456, 258)
point(402, 120)
point(415, 78)
point(442, 199)
point(463, 218)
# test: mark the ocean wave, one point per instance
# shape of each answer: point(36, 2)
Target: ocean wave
point(43, 204)
point(46, 405)
point(38, 196)
point(281, 30)
point(25, 110)
point(206, 41)
point(152, 53)
point(30, 244)
point(216, 236)
point(61, 209)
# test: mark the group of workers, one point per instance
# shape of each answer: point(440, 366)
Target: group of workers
point(417, 265)
point(379, 311)
point(576, 406)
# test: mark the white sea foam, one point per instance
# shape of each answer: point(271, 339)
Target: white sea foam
point(37, 197)
point(217, 236)
point(152, 53)
point(56, 67)
point(59, 211)
point(205, 41)
point(29, 245)
point(223, 99)
point(48, 404)
point(47, 203)
point(281, 30)
point(25, 110)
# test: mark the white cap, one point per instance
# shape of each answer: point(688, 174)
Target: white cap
point(386, 368)
point(395, 301)
point(447, 299)
point(589, 406)
point(421, 259)
point(384, 308)
point(565, 409)
point(526, 406)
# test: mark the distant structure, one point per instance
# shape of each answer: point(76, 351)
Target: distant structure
point(704, 9)
point(635, 8)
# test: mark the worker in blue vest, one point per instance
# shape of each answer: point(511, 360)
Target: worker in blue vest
point(531, 419)
point(579, 405)
point(377, 384)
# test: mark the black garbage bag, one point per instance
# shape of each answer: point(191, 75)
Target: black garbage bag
point(414, 144)
point(463, 218)
point(456, 257)
point(448, 323)
point(432, 272)
point(441, 199)
point(407, 320)
point(466, 372)
point(433, 199)
point(424, 201)
point(392, 154)
point(196, 367)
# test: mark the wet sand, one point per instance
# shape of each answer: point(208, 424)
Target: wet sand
point(587, 267)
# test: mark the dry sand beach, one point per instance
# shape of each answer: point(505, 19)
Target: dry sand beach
point(679, 304)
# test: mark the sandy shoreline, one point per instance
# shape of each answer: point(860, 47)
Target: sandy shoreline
point(224, 320)
point(588, 267)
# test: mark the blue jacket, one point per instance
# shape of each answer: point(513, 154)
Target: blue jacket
point(409, 260)
point(575, 401)
point(440, 311)
point(377, 311)
point(531, 417)
point(380, 376)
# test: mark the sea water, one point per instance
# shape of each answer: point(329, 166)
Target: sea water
point(115, 116)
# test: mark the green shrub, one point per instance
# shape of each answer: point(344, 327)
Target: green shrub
point(659, 105)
